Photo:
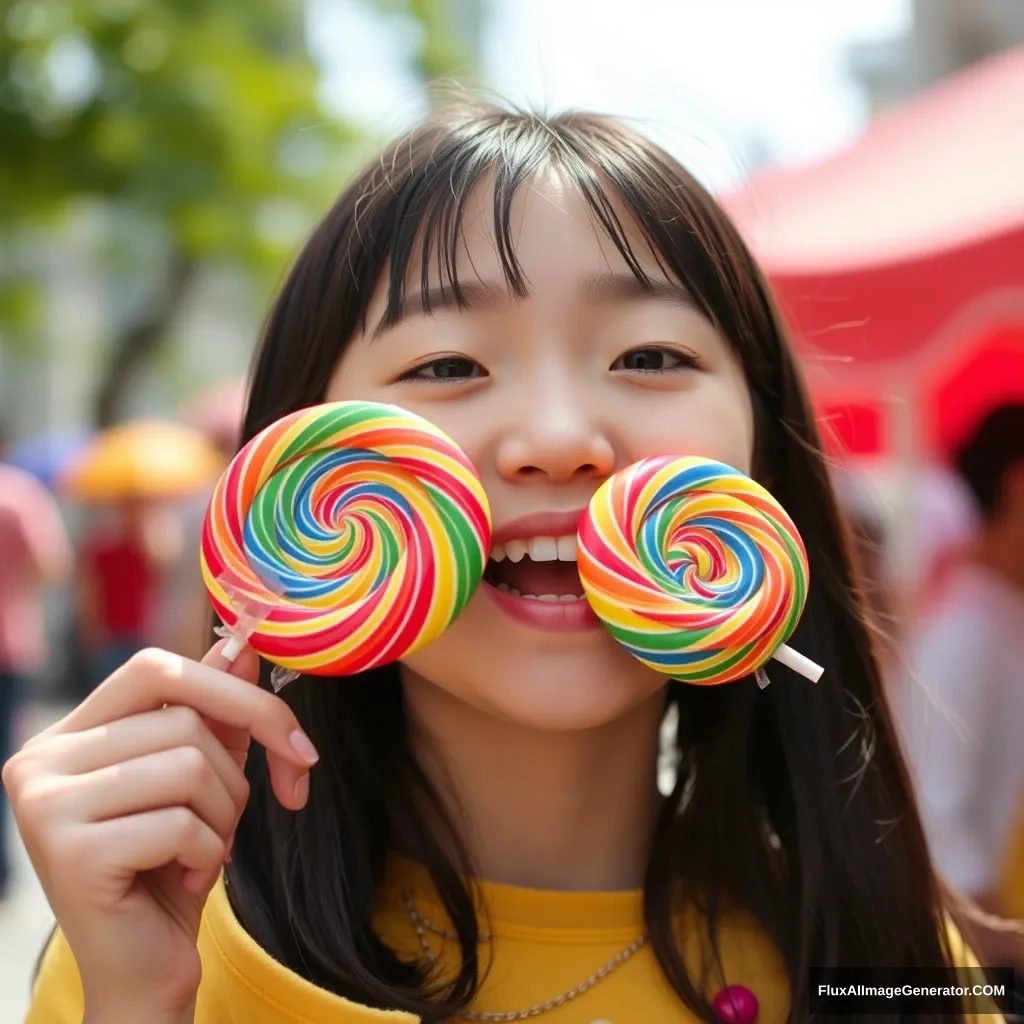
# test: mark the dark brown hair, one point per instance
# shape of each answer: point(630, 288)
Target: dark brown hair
point(995, 447)
point(846, 877)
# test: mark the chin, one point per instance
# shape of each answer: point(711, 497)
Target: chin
point(573, 697)
point(548, 681)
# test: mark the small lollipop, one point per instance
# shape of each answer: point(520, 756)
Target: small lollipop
point(344, 536)
point(695, 569)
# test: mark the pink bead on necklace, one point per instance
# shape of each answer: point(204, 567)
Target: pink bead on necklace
point(735, 1004)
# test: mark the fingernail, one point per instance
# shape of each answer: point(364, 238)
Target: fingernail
point(302, 789)
point(230, 844)
point(303, 746)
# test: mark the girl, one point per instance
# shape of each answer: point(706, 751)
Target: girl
point(477, 833)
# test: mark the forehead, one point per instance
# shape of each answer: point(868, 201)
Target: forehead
point(544, 234)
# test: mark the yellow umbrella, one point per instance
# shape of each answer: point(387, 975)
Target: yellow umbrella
point(143, 459)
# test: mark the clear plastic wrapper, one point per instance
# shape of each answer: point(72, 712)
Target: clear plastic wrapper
point(251, 612)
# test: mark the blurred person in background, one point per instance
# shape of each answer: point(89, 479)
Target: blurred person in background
point(123, 562)
point(962, 709)
point(871, 540)
point(34, 554)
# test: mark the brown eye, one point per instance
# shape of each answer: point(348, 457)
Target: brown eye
point(653, 359)
point(447, 368)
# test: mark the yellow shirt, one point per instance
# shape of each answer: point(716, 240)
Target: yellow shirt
point(544, 944)
point(1011, 891)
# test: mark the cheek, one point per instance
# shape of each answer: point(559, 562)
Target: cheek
point(351, 381)
point(715, 422)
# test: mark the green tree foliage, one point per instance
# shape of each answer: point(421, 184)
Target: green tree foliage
point(198, 120)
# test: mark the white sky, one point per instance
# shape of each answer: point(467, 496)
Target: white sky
point(704, 77)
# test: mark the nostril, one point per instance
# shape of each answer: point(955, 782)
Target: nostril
point(566, 471)
point(588, 469)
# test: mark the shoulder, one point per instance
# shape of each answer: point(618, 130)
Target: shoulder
point(241, 983)
point(961, 952)
point(57, 988)
point(958, 635)
point(965, 963)
point(14, 504)
point(22, 491)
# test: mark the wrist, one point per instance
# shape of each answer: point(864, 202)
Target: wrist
point(122, 1011)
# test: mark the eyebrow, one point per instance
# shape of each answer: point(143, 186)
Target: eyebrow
point(601, 288)
point(627, 287)
point(471, 295)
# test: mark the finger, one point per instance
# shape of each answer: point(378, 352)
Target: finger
point(245, 667)
point(80, 753)
point(171, 778)
point(235, 740)
point(154, 678)
point(153, 839)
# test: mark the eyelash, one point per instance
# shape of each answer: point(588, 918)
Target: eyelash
point(414, 374)
point(687, 361)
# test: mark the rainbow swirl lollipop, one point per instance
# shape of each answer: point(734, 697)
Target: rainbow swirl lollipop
point(360, 531)
point(695, 569)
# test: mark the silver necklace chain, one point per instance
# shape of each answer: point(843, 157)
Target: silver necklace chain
point(424, 924)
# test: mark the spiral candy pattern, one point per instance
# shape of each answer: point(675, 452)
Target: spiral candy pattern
point(360, 530)
point(693, 567)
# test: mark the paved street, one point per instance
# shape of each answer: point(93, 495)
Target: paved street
point(25, 919)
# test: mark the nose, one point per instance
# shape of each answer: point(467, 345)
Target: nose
point(555, 439)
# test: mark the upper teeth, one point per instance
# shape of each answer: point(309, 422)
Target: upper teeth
point(540, 549)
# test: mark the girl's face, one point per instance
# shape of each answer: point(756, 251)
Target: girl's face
point(549, 395)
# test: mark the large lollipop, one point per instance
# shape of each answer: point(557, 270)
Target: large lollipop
point(360, 531)
point(695, 569)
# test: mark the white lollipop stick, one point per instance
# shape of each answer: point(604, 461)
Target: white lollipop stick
point(232, 649)
point(251, 612)
point(237, 637)
point(798, 663)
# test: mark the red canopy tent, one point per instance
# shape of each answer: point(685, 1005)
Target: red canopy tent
point(899, 264)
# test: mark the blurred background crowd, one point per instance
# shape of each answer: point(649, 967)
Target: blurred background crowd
point(161, 161)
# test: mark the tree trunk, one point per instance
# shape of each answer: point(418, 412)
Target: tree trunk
point(141, 338)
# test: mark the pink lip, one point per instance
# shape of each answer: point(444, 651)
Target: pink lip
point(552, 616)
point(539, 524)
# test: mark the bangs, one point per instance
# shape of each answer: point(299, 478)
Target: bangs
point(610, 168)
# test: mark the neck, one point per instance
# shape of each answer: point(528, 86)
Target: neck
point(547, 810)
point(999, 549)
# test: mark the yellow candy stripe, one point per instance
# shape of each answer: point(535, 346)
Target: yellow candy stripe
point(693, 567)
point(360, 530)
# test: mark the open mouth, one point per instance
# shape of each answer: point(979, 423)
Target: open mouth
point(537, 569)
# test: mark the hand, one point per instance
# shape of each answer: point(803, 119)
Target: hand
point(128, 807)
